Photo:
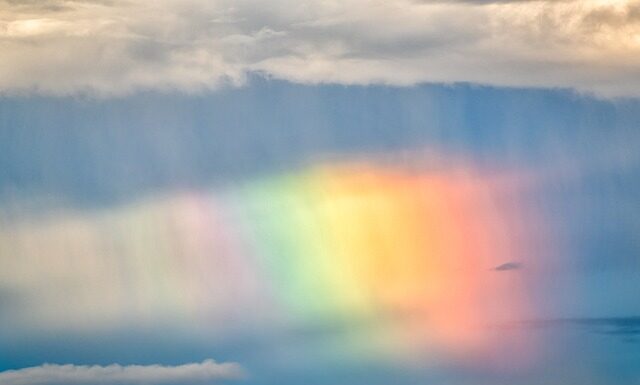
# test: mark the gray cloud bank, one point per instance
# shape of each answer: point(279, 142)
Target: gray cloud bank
point(207, 371)
point(116, 47)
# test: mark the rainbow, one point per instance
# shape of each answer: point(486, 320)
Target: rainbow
point(334, 242)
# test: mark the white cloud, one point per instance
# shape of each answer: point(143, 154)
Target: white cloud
point(49, 374)
point(115, 47)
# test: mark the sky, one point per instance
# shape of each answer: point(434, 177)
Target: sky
point(319, 192)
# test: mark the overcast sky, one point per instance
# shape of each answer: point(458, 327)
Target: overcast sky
point(313, 192)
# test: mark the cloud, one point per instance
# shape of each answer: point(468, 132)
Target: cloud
point(509, 266)
point(116, 47)
point(49, 374)
point(612, 326)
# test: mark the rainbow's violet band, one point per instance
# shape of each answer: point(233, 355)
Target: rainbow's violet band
point(340, 242)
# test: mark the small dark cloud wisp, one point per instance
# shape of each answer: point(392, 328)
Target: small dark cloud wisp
point(509, 266)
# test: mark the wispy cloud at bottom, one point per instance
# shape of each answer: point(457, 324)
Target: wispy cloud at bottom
point(52, 374)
